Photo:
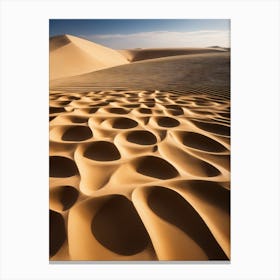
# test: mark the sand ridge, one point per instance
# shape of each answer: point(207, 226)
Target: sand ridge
point(139, 174)
point(143, 54)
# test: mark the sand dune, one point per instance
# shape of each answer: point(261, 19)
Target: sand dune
point(71, 55)
point(143, 54)
point(139, 154)
point(205, 72)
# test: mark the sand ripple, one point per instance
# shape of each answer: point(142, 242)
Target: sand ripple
point(139, 175)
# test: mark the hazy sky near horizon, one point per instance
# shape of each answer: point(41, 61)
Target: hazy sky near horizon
point(147, 33)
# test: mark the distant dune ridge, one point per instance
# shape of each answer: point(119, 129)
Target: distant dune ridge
point(139, 153)
point(142, 54)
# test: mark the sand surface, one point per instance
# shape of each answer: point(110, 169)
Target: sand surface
point(140, 161)
point(208, 71)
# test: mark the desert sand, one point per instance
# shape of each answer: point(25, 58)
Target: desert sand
point(139, 153)
point(70, 55)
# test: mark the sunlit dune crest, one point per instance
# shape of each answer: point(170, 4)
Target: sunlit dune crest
point(70, 55)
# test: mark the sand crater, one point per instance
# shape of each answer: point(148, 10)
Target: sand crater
point(102, 151)
point(118, 227)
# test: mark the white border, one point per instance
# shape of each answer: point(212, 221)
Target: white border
point(255, 138)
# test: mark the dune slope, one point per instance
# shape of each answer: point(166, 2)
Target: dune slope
point(169, 73)
point(71, 55)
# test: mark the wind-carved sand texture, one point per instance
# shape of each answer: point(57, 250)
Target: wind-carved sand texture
point(142, 173)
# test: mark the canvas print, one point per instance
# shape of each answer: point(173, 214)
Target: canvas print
point(139, 140)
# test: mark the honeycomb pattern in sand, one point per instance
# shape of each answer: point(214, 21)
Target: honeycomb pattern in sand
point(139, 175)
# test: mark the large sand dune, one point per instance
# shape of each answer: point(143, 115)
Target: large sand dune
point(70, 55)
point(140, 161)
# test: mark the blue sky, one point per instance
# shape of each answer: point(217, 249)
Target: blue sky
point(137, 33)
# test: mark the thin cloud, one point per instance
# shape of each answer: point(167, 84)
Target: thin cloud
point(201, 38)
